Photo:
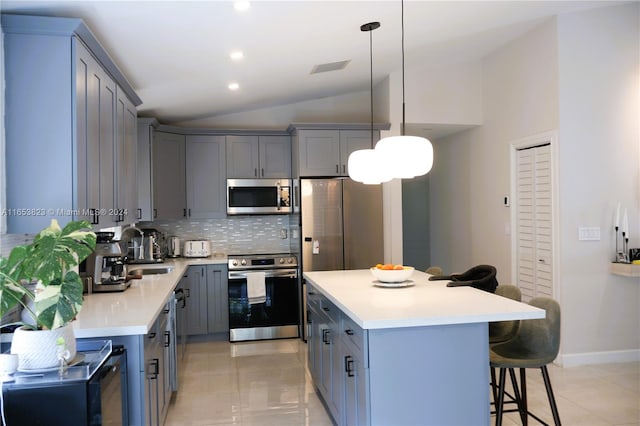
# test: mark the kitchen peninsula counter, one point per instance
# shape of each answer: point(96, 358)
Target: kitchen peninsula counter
point(403, 356)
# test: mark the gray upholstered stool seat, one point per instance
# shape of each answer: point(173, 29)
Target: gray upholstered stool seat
point(434, 270)
point(502, 331)
point(535, 345)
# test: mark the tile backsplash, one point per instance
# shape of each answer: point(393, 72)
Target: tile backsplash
point(233, 235)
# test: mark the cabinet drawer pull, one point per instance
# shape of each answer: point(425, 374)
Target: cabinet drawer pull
point(167, 339)
point(324, 308)
point(349, 332)
point(348, 365)
point(325, 336)
point(151, 335)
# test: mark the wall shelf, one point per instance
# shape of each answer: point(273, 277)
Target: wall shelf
point(625, 269)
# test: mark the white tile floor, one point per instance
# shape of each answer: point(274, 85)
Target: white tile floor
point(266, 383)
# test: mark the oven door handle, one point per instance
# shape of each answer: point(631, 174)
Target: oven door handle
point(284, 273)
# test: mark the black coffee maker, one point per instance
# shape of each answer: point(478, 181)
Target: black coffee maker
point(104, 269)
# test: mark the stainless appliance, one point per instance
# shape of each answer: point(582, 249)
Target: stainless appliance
point(92, 392)
point(145, 246)
point(258, 196)
point(104, 269)
point(173, 247)
point(197, 248)
point(341, 226)
point(176, 302)
point(273, 314)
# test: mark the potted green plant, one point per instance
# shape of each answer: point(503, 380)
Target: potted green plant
point(42, 277)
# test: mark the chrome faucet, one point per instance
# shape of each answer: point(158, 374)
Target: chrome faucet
point(141, 252)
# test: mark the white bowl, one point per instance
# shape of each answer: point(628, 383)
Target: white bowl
point(392, 276)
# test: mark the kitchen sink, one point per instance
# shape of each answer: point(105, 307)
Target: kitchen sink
point(151, 271)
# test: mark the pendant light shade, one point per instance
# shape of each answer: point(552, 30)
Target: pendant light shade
point(406, 156)
point(366, 166)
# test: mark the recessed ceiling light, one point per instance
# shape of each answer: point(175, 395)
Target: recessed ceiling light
point(241, 6)
point(233, 86)
point(236, 55)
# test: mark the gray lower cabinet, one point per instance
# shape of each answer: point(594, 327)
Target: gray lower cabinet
point(207, 300)
point(337, 360)
point(73, 147)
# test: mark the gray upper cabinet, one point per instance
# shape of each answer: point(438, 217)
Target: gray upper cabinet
point(206, 176)
point(126, 160)
point(325, 152)
point(169, 179)
point(62, 165)
point(257, 156)
point(144, 160)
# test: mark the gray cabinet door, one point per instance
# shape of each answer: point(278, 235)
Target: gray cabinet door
point(350, 141)
point(106, 89)
point(126, 160)
point(169, 187)
point(242, 157)
point(319, 152)
point(196, 295)
point(275, 157)
point(217, 299)
point(206, 177)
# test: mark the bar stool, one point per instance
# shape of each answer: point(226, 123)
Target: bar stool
point(503, 331)
point(535, 345)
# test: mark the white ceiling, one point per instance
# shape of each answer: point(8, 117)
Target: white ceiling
point(176, 53)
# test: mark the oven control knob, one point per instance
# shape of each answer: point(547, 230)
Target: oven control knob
point(243, 262)
point(234, 262)
point(281, 260)
point(290, 260)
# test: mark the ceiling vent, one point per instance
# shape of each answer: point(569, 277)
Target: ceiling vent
point(331, 66)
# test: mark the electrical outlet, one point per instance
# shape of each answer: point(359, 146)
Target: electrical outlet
point(589, 233)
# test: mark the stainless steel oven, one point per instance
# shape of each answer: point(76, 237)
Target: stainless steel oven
point(264, 295)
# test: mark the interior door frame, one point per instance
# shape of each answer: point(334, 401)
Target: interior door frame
point(550, 137)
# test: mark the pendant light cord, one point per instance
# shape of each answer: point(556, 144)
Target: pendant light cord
point(402, 30)
point(371, 81)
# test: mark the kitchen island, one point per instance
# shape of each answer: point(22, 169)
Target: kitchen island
point(403, 356)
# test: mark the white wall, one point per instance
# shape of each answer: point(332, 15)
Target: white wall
point(347, 108)
point(519, 93)
point(599, 74)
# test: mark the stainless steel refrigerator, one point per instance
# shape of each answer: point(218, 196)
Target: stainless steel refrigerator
point(341, 226)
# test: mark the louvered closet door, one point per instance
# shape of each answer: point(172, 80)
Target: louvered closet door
point(534, 222)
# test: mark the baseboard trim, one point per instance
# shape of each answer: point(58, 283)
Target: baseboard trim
point(586, 358)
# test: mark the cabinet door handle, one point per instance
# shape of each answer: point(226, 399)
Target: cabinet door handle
point(187, 292)
point(155, 213)
point(95, 214)
point(184, 212)
point(139, 213)
point(325, 336)
point(348, 365)
point(255, 172)
point(167, 339)
point(262, 170)
point(337, 168)
point(349, 332)
point(344, 169)
point(311, 293)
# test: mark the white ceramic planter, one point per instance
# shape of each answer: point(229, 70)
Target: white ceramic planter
point(37, 349)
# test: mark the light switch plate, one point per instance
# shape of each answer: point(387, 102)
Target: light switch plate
point(586, 233)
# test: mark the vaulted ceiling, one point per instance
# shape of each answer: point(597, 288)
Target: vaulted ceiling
point(176, 53)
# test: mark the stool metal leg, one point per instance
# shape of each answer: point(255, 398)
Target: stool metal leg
point(500, 402)
point(521, 406)
point(523, 388)
point(552, 400)
point(494, 386)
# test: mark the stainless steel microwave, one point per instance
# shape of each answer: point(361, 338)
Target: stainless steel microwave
point(258, 196)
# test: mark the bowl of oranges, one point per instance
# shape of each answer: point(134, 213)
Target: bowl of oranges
point(389, 273)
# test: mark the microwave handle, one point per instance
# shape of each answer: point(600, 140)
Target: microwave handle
point(279, 199)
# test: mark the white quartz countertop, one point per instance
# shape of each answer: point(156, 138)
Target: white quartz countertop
point(133, 311)
point(426, 303)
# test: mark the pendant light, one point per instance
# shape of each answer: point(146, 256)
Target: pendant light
point(366, 165)
point(406, 156)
